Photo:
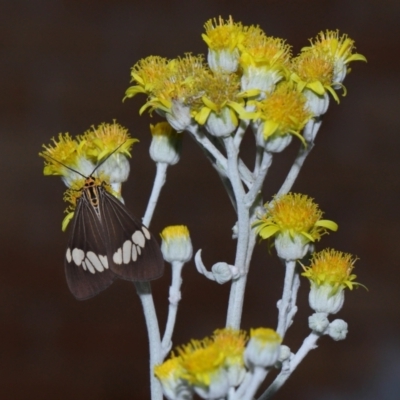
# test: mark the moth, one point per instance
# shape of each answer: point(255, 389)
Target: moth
point(107, 242)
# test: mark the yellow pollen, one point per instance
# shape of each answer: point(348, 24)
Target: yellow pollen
point(221, 88)
point(314, 66)
point(231, 342)
point(286, 107)
point(294, 211)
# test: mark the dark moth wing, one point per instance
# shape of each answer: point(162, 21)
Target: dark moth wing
point(133, 253)
point(86, 263)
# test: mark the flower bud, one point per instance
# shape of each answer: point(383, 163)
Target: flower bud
point(338, 329)
point(263, 348)
point(318, 322)
point(166, 144)
point(176, 244)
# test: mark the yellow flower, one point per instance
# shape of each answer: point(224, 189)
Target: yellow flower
point(172, 87)
point(221, 35)
point(106, 138)
point(295, 214)
point(337, 50)
point(331, 267)
point(223, 38)
point(147, 73)
point(313, 70)
point(221, 103)
point(170, 375)
point(264, 60)
point(330, 272)
point(65, 151)
point(339, 47)
point(282, 112)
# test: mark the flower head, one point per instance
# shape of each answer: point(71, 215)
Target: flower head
point(295, 220)
point(220, 103)
point(340, 48)
point(330, 272)
point(172, 86)
point(264, 60)
point(231, 343)
point(203, 364)
point(170, 375)
point(282, 112)
point(223, 38)
point(332, 267)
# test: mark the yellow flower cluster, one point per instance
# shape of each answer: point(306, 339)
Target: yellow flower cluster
point(212, 366)
point(66, 153)
point(75, 159)
point(209, 364)
point(244, 68)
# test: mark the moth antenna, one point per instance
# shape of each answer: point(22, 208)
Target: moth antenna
point(66, 166)
point(103, 161)
point(97, 166)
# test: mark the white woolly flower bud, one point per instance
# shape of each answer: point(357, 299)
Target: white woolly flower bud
point(261, 79)
point(218, 387)
point(338, 329)
point(176, 244)
point(166, 144)
point(277, 143)
point(325, 299)
point(221, 124)
point(291, 248)
point(339, 73)
point(263, 348)
point(318, 322)
point(179, 116)
point(224, 272)
point(284, 353)
point(224, 60)
point(317, 104)
point(116, 167)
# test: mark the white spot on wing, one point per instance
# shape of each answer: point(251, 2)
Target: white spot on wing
point(117, 257)
point(138, 238)
point(84, 265)
point(78, 256)
point(95, 261)
point(126, 251)
point(146, 232)
point(134, 253)
point(104, 261)
point(68, 255)
point(89, 265)
point(139, 250)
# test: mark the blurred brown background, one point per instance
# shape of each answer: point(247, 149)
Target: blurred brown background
point(64, 66)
